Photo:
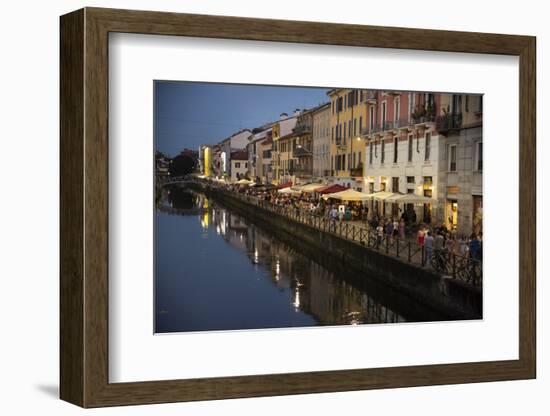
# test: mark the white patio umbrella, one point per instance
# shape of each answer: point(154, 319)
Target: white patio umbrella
point(289, 191)
point(349, 195)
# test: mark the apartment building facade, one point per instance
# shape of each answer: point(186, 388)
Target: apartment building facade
point(460, 177)
point(348, 115)
point(402, 153)
point(284, 143)
point(321, 142)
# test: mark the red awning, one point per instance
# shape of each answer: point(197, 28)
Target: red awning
point(284, 185)
point(330, 189)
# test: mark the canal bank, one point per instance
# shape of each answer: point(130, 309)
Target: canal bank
point(448, 297)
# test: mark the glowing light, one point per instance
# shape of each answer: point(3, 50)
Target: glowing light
point(296, 303)
point(205, 220)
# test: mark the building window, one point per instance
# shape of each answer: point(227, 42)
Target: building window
point(383, 115)
point(410, 179)
point(359, 159)
point(457, 104)
point(427, 144)
point(410, 149)
point(370, 153)
point(395, 145)
point(395, 184)
point(343, 162)
point(396, 110)
point(371, 117)
point(360, 123)
point(332, 133)
point(452, 158)
point(411, 107)
point(355, 127)
point(479, 156)
point(246, 165)
point(237, 164)
point(383, 152)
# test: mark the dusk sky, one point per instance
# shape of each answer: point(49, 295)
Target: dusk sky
point(188, 114)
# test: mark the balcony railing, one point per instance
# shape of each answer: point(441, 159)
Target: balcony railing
point(369, 95)
point(303, 171)
point(449, 122)
point(357, 172)
point(341, 143)
point(302, 129)
point(301, 152)
point(388, 125)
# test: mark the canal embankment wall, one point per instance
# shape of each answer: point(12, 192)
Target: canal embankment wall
point(449, 297)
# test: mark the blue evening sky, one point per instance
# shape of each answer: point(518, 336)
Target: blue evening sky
point(188, 114)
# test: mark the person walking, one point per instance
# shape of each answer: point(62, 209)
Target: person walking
point(428, 248)
point(402, 225)
point(389, 231)
point(420, 235)
point(439, 246)
point(475, 246)
point(379, 234)
point(450, 244)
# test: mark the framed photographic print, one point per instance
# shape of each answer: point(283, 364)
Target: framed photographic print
point(255, 207)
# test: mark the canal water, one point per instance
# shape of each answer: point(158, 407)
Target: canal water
point(214, 270)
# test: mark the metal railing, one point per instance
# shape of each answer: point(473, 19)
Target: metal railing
point(302, 129)
point(449, 122)
point(358, 171)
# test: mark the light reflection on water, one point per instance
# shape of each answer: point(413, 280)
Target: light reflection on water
point(216, 271)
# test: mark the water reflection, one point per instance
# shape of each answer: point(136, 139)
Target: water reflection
point(239, 276)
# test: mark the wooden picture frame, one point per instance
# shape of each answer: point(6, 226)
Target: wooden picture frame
point(84, 207)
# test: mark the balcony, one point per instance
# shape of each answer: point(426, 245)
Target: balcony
point(449, 123)
point(303, 171)
point(423, 113)
point(302, 129)
point(301, 152)
point(357, 172)
point(369, 96)
point(341, 144)
point(386, 126)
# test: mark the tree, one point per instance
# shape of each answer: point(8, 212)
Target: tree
point(181, 165)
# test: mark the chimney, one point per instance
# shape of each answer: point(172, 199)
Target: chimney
point(283, 116)
point(297, 112)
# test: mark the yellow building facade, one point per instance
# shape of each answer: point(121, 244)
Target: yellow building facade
point(347, 147)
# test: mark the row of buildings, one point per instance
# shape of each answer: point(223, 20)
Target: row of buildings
point(428, 144)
